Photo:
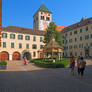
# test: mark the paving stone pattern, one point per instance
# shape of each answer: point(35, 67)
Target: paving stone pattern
point(26, 79)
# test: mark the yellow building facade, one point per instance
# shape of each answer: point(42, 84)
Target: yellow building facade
point(17, 42)
point(77, 39)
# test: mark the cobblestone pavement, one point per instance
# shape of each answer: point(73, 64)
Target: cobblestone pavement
point(19, 66)
point(45, 80)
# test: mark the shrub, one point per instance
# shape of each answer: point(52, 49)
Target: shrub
point(48, 63)
point(3, 63)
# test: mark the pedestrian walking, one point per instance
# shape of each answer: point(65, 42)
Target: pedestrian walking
point(78, 65)
point(81, 66)
point(25, 60)
point(72, 65)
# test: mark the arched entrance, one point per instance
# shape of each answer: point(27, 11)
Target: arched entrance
point(16, 56)
point(27, 55)
point(4, 55)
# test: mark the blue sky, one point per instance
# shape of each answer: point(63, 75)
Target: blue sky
point(65, 12)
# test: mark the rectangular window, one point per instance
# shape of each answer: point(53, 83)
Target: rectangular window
point(4, 44)
point(63, 41)
point(34, 38)
point(80, 30)
point(70, 33)
point(70, 47)
point(27, 37)
point(75, 46)
point(41, 46)
point(86, 28)
point(91, 44)
point(12, 36)
point(75, 39)
point(34, 54)
point(20, 45)
point(79, 45)
point(90, 35)
point(34, 46)
point(12, 45)
point(80, 38)
point(20, 37)
point(66, 41)
point(4, 35)
point(91, 26)
point(41, 39)
point(86, 37)
point(70, 40)
point(75, 32)
point(27, 46)
point(82, 45)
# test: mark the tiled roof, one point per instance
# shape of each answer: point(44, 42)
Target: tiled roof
point(59, 27)
point(52, 44)
point(44, 9)
point(83, 22)
point(23, 30)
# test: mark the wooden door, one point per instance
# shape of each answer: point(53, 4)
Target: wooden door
point(16, 56)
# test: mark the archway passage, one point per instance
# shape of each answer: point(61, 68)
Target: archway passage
point(16, 56)
point(27, 55)
point(4, 55)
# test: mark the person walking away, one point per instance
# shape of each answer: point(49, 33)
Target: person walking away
point(25, 60)
point(82, 66)
point(78, 65)
point(72, 65)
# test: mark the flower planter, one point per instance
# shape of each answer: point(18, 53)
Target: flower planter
point(3, 66)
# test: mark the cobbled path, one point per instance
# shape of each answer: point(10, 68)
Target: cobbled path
point(29, 78)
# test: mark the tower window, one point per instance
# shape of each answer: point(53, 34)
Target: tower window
point(48, 14)
point(42, 17)
point(47, 18)
point(41, 12)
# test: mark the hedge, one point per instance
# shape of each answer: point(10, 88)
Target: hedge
point(50, 64)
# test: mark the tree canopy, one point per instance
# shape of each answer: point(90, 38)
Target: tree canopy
point(51, 30)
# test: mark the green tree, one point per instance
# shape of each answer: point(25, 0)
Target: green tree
point(51, 30)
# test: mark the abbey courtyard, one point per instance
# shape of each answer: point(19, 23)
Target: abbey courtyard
point(17, 42)
point(41, 74)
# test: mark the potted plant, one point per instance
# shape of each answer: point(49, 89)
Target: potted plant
point(3, 64)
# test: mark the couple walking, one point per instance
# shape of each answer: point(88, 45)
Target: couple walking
point(81, 63)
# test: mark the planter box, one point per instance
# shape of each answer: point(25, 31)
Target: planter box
point(3, 66)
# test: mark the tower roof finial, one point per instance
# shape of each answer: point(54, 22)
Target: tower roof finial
point(43, 8)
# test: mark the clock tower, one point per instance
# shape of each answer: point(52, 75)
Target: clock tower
point(42, 18)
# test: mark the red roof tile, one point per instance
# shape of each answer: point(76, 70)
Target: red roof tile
point(59, 27)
